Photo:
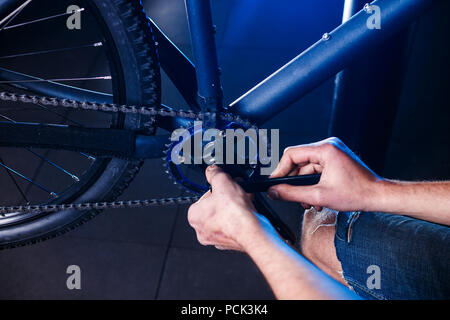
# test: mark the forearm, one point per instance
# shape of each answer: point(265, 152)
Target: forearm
point(288, 273)
point(422, 200)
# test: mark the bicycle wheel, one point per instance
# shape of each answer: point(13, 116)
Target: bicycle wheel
point(112, 55)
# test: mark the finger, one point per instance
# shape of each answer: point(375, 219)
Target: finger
point(296, 156)
point(294, 172)
point(305, 194)
point(285, 167)
point(310, 169)
point(217, 178)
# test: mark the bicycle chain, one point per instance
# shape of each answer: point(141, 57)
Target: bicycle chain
point(114, 108)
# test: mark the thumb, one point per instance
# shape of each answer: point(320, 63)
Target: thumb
point(217, 178)
point(285, 192)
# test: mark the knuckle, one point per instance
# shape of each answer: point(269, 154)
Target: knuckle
point(336, 142)
point(192, 216)
point(334, 139)
point(288, 149)
point(329, 147)
point(201, 239)
point(281, 188)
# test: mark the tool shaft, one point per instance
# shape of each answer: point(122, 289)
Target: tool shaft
point(264, 185)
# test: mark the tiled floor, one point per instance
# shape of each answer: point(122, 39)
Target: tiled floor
point(140, 254)
point(109, 269)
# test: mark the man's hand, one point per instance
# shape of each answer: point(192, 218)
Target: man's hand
point(227, 219)
point(346, 184)
point(226, 216)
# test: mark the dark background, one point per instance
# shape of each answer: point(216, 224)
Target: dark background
point(153, 253)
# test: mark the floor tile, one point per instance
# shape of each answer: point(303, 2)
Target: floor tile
point(109, 270)
point(144, 225)
point(204, 274)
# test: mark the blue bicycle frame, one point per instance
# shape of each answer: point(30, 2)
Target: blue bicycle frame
point(200, 84)
point(306, 71)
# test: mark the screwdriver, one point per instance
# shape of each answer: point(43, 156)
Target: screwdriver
point(262, 185)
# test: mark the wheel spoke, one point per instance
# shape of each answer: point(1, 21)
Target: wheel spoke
point(92, 45)
point(48, 88)
point(58, 114)
point(57, 80)
point(15, 183)
point(73, 176)
point(51, 193)
point(42, 19)
point(7, 20)
point(88, 156)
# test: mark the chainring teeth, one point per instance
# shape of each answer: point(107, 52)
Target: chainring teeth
point(174, 173)
point(173, 170)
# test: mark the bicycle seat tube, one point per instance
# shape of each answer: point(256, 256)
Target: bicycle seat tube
point(204, 49)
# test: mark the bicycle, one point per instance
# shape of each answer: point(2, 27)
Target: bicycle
point(109, 120)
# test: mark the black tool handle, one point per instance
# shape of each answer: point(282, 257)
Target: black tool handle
point(263, 185)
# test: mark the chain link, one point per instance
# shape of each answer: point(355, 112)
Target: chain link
point(98, 205)
point(114, 108)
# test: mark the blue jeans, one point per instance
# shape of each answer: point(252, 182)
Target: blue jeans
point(386, 256)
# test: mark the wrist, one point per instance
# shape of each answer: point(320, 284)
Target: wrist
point(380, 195)
point(257, 233)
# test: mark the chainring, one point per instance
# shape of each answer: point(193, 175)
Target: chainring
point(174, 169)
